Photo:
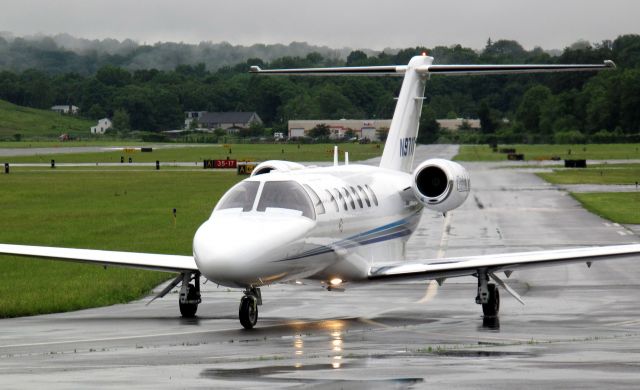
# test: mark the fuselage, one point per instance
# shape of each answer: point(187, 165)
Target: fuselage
point(323, 224)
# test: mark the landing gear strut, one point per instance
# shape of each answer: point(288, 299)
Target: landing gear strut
point(249, 303)
point(190, 294)
point(488, 295)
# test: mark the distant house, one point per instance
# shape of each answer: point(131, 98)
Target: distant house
point(102, 126)
point(66, 109)
point(454, 124)
point(230, 121)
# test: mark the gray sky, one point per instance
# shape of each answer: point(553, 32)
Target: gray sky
point(335, 23)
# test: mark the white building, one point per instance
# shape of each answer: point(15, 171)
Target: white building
point(365, 128)
point(66, 109)
point(362, 128)
point(454, 124)
point(102, 126)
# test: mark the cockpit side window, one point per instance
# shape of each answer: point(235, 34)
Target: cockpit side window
point(317, 203)
point(241, 196)
point(285, 195)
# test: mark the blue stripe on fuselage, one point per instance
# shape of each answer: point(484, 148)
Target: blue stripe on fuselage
point(390, 231)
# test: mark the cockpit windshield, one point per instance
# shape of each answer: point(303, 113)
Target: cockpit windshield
point(241, 196)
point(285, 195)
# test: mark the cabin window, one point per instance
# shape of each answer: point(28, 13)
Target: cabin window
point(317, 203)
point(373, 194)
point(344, 202)
point(364, 196)
point(355, 195)
point(241, 196)
point(284, 196)
point(350, 198)
point(333, 200)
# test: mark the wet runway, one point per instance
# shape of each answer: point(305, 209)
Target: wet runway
point(580, 327)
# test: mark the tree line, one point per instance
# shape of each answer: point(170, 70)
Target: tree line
point(565, 107)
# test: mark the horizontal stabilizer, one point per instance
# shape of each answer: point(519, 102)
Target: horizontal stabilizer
point(447, 70)
point(469, 70)
point(341, 71)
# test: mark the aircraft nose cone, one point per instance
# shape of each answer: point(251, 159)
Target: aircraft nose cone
point(236, 250)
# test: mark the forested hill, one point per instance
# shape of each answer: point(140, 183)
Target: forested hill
point(64, 53)
point(568, 107)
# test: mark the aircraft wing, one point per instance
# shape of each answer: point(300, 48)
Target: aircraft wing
point(148, 261)
point(506, 262)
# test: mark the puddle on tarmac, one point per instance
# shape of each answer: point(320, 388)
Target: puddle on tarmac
point(482, 353)
point(269, 374)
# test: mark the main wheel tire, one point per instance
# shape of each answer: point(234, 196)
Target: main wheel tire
point(491, 308)
point(248, 312)
point(188, 310)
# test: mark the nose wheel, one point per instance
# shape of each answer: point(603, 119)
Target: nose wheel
point(248, 312)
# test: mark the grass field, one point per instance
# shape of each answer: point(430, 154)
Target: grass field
point(121, 210)
point(620, 207)
point(69, 144)
point(197, 153)
point(31, 122)
point(602, 174)
point(536, 152)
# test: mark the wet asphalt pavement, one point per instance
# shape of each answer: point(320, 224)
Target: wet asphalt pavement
point(580, 327)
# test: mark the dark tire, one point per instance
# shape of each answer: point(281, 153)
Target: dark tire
point(491, 308)
point(248, 312)
point(188, 310)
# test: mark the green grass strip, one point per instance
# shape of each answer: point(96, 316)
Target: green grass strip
point(620, 207)
point(545, 152)
point(611, 174)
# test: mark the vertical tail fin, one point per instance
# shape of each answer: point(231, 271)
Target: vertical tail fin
point(401, 141)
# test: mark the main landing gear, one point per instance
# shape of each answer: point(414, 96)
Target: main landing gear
point(488, 295)
point(190, 294)
point(249, 303)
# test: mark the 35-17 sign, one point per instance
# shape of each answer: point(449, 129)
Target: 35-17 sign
point(220, 164)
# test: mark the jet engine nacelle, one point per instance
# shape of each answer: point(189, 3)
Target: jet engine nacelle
point(440, 185)
point(275, 165)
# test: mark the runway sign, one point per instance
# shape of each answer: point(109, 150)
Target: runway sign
point(245, 168)
point(220, 164)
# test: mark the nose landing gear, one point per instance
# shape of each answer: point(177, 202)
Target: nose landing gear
point(249, 303)
point(190, 294)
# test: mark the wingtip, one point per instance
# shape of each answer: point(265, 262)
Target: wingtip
point(254, 69)
point(609, 64)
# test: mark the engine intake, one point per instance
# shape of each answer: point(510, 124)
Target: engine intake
point(441, 185)
point(275, 165)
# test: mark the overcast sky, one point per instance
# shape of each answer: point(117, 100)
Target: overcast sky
point(336, 23)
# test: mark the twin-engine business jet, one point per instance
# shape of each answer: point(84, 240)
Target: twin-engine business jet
point(343, 224)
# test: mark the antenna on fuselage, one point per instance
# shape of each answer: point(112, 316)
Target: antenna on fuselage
point(335, 156)
point(346, 158)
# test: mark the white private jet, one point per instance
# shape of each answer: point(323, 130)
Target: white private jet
point(343, 224)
